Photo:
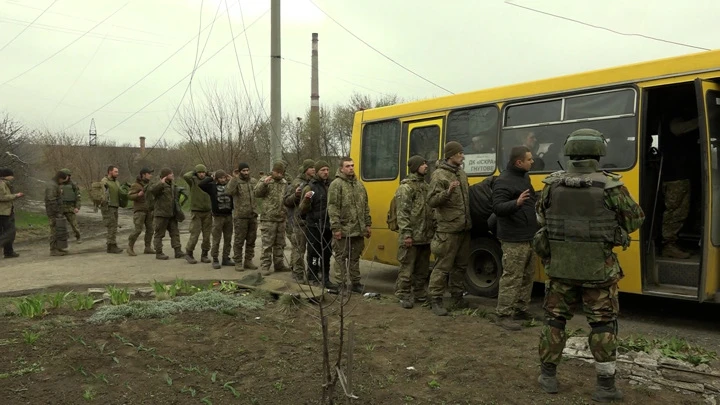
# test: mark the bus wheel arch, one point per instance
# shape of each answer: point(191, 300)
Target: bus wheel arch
point(482, 277)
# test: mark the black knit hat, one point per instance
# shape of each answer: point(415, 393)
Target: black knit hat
point(452, 148)
point(415, 162)
point(243, 165)
point(6, 171)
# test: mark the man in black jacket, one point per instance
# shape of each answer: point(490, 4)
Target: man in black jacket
point(514, 205)
point(222, 226)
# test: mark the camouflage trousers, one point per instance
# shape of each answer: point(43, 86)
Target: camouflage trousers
point(245, 230)
point(69, 213)
point(169, 225)
point(273, 244)
point(412, 279)
point(58, 232)
point(601, 308)
point(677, 206)
point(298, 240)
point(201, 222)
point(110, 218)
point(222, 227)
point(516, 282)
point(451, 252)
point(143, 220)
point(347, 252)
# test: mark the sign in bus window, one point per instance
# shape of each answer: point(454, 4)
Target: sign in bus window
point(477, 130)
point(480, 163)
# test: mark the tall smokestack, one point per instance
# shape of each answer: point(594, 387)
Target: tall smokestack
point(142, 145)
point(315, 102)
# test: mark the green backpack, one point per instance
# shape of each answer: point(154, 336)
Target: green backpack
point(392, 216)
point(123, 195)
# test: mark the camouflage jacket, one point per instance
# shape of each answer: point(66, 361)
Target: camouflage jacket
point(348, 206)
point(139, 202)
point(452, 211)
point(629, 216)
point(243, 194)
point(292, 201)
point(53, 199)
point(71, 196)
point(165, 195)
point(6, 198)
point(273, 193)
point(414, 216)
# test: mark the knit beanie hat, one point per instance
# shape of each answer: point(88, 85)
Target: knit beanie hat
point(220, 174)
point(307, 164)
point(452, 148)
point(278, 167)
point(200, 169)
point(320, 164)
point(415, 162)
point(6, 171)
point(164, 172)
point(243, 165)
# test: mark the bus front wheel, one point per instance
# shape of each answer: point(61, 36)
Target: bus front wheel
point(484, 267)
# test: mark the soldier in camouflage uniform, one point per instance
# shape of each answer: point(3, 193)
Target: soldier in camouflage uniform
point(142, 212)
point(415, 231)
point(451, 242)
point(272, 219)
point(584, 214)
point(71, 203)
point(109, 207)
point(165, 214)
point(297, 229)
point(242, 189)
point(350, 222)
point(54, 209)
point(201, 219)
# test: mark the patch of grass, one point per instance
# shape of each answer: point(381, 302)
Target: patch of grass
point(229, 386)
point(184, 287)
point(34, 368)
point(118, 296)
point(29, 220)
point(434, 384)
point(370, 347)
point(31, 306)
point(30, 337)
point(89, 394)
point(162, 291)
point(58, 299)
point(279, 386)
point(674, 347)
point(83, 302)
point(228, 286)
point(259, 293)
point(202, 301)
point(288, 303)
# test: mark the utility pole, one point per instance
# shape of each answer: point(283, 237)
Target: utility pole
point(315, 149)
point(92, 139)
point(275, 93)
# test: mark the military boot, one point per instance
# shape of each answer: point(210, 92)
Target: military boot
point(204, 256)
point(11, 255)
point(189, 257)
point(149, 250)
point(547, 379)
point(114, 249)
point(248, 265)
point(672, 251)
point(438, 308)
point(458, 302)
point(160, 256)
point(179, 253)
point(131, 249)
point(57, 252)
point(226, 261)
point(605, 391)
point(239, 267)
point(215, 263)
point(407, 303)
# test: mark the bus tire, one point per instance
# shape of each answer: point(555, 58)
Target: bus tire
point(482, 277)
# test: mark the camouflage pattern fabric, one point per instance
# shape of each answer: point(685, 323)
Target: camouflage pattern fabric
point(298, 240)
point(273, 193)
point(58, 233)
point(244, 202)
point(451, 252)
point(245, 230)
point(201, 222)
point(348, 207)
point(347, 252)
point(72, 221)
point(222, 227)
point(601, 307)
point(414, 216)
point(677, 207)
point(110, 218)
point(143, 221)
point(516, 282)
point(452, 212)
point(413, 277)
point(169, 225)
point(273, 243)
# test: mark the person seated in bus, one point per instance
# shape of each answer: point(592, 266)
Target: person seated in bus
point(481, 144)
point(529, 140)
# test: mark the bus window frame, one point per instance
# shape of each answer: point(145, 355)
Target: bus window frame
point(409, 140)
point(362, 150)
point(636, 114)
point(499, 105)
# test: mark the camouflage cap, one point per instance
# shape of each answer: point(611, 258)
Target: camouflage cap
point(66, 171)
point(585, 142)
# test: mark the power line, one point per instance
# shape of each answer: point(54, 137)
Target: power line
point(378, 51)
point(237, 59)
point(252, 64)
point(629, 34)
point(28, 26)
point(197, 59)
point(197, 47)
point(183, 78)
point(141, 79)
point(66, 46)
point(336, 77)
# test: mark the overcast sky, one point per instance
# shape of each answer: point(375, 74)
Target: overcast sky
point(461, 45)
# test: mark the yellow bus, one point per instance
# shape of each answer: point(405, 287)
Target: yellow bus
point(631, 105)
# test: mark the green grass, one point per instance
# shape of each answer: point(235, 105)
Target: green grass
point(29, 220)
point(673, 347)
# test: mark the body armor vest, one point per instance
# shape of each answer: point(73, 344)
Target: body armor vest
point(68, 194)
point(579, 227)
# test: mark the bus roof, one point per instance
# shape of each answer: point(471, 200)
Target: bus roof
point(655, 69)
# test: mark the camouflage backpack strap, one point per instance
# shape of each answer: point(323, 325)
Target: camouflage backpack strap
point(613, 180)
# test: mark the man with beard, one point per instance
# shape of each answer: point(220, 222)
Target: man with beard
point(165, 214)
point(222, 208)
point(109, 207)
point(272, 219)
point(241, 187)
point(142, 212)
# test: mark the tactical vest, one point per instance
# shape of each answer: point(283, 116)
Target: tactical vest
point(224, 201)
point(579, 227)
point(318, 215)
point(68, 194)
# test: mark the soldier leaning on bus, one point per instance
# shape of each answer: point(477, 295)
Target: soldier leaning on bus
point(142, 212)
point(242, 189)
point(415, 231)
point(584, 214)
point(54, 209)
point(451, 243)
point(71, 203)
point(296, 229)
point(109, 207)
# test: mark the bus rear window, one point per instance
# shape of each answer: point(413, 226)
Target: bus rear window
point(380, 153)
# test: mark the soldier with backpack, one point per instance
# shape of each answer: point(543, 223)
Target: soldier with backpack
point(109, 207)
point(143, 203)
point(415, 226)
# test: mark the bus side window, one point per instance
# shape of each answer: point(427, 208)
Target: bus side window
point(477, 130)
point(424, 141)
point(380, 150)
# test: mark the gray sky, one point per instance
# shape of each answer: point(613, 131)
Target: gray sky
point(457, 44)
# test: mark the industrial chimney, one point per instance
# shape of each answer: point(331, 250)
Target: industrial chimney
point(142, 145)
